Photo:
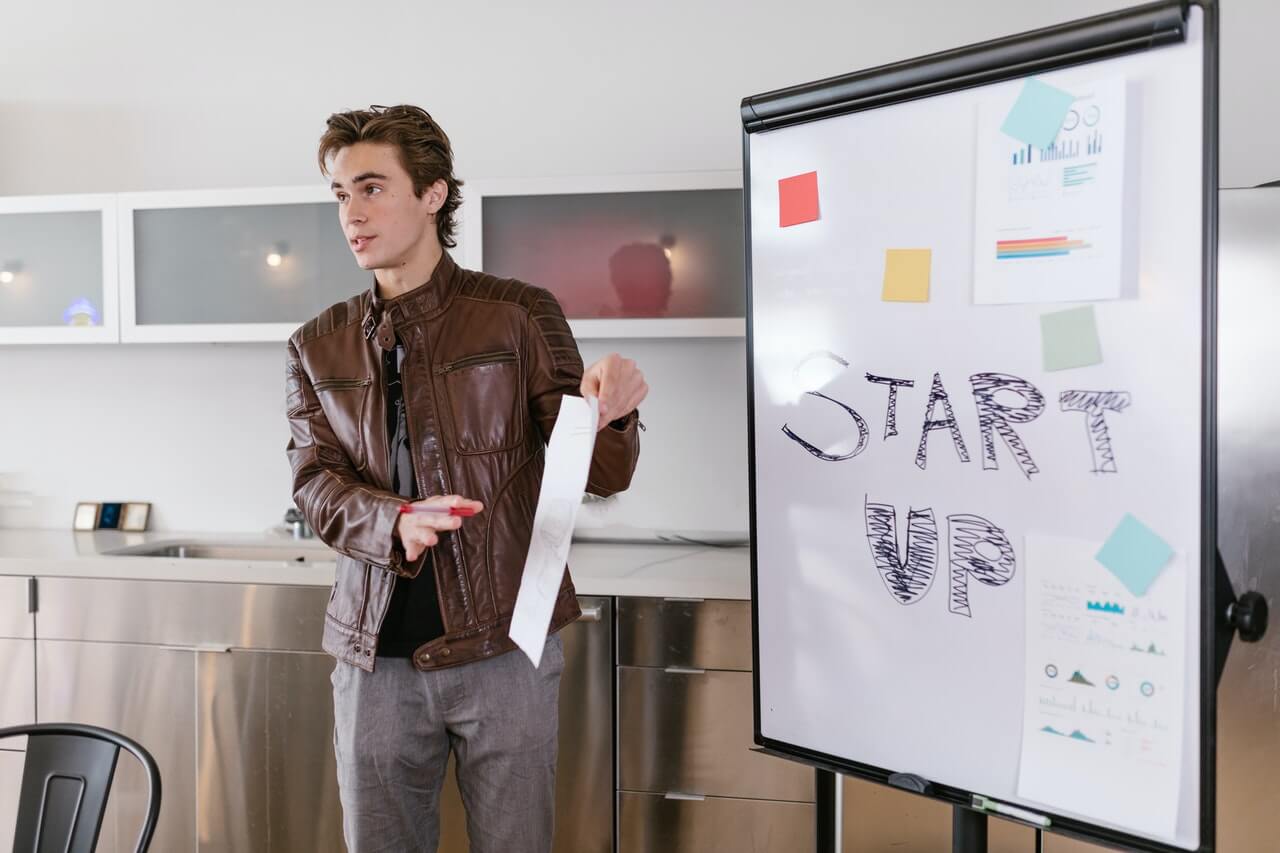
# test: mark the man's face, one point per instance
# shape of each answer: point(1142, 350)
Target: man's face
point(384, 223)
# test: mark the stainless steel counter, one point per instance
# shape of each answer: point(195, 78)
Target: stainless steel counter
point(691, 571)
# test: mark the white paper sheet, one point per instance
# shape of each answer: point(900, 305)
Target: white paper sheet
point(1050, 221)
point(573, 439)
point(1102, 731)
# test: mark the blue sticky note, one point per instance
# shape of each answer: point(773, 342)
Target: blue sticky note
point(1038, 113)
point(1135, 554)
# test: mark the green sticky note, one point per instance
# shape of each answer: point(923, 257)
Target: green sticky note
point(1037, 115)
point(1135, 554)
point(906, 275)
point(1070, 338)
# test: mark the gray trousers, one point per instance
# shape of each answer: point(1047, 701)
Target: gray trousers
point(393, 731)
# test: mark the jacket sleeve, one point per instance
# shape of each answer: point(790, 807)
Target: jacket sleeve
point(554, 368)
point(349, 515)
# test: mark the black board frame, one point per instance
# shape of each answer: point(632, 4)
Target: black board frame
point(1140, 28)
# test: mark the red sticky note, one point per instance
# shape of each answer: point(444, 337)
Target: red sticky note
point(798, 199)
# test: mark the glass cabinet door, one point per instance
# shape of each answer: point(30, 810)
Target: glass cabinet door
point(58, 269)
point(232, 265)
point(650, 256)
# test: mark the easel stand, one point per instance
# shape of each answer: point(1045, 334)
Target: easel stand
point(824, 789)
point(968, 831)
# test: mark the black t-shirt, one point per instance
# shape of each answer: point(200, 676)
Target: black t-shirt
point(413, 615)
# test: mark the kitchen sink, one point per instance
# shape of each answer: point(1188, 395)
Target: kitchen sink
point(286, 552)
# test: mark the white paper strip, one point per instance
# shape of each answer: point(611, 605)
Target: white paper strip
point(563, 480)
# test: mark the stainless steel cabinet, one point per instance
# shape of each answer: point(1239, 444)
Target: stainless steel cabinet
point(687, 778)
point(584, 771)
point(188, 615)
point(689, 731)
point(17, 658)
point(242, 738)
point(676, 632)
point(225, 685)
point(584, 775)
point(17, 687)
point(654, 823)
point(17, 694)
point(146, 693)
point(10, 781)
point(265, 775)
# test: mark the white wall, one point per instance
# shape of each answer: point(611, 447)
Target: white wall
point(199, 430)
point(143, 94)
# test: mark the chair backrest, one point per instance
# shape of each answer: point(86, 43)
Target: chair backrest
point(65, 782)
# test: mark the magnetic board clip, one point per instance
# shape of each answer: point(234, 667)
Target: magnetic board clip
point(911, 782)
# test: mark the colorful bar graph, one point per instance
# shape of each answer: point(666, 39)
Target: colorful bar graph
point(1038, 247)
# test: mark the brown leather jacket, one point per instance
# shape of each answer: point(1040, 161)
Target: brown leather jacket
point(486, 363)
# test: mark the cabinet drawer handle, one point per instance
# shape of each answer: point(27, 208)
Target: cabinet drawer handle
point(591, 614)
point(684, 670)
point(676, 795)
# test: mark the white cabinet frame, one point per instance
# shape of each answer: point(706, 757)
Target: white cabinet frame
point(472, 248)
point(132, 332)
point(109, 331)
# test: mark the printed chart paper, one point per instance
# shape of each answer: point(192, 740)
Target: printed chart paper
point(1050, 220)
point(573, 439)
point(1102, 729)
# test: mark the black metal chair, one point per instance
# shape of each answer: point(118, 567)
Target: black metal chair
point(65, 781)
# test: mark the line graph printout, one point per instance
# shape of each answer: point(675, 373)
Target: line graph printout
point(1102, 730)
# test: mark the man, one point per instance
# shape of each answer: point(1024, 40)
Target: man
point(439, 388)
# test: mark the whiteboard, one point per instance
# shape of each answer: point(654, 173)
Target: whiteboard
point(844, 668)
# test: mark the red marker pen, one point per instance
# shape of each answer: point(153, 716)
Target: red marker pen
point(462, 511)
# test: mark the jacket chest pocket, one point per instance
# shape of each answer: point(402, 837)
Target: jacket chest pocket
point(345, 403)
point(486, 401)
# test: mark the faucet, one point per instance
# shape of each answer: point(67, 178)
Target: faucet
point(294, 519)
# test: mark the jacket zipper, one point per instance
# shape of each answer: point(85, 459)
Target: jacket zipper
point(444, 469)
point(340, 384)
point(476, 360)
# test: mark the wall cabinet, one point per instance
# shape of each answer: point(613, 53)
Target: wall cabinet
point(230, 265)
point(58, 276)
point(628, 256)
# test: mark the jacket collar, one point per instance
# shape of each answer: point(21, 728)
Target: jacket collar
point(383, 316)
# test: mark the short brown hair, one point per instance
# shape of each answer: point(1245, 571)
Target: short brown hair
point(424, 150)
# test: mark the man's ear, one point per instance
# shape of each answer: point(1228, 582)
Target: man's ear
point(436, 195)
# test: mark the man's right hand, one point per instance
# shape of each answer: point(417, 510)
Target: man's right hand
point(419, 531)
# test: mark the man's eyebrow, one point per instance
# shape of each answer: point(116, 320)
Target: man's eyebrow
point(363, 176)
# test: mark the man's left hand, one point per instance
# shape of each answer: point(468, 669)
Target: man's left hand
point(618, 384)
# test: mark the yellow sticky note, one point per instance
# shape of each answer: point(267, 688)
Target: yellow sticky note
point(906, 275)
